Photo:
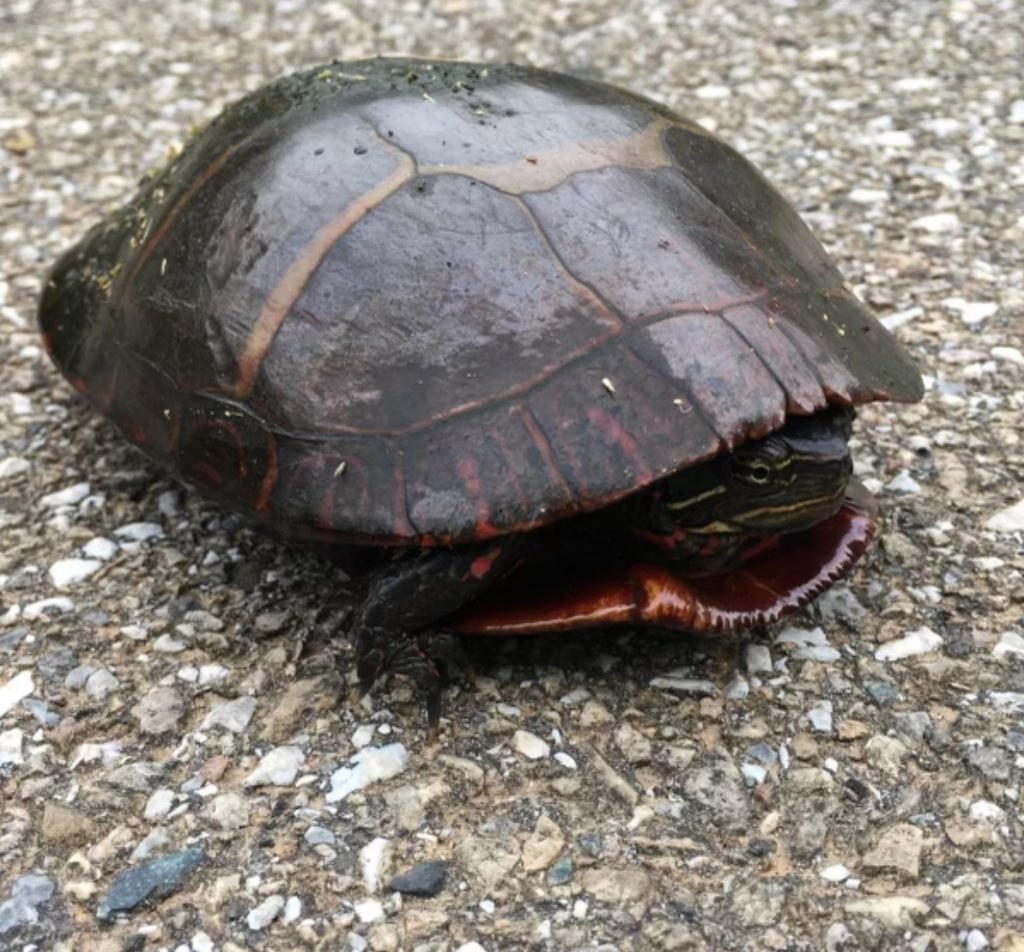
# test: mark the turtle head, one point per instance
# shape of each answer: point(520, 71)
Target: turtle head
point(785, 482)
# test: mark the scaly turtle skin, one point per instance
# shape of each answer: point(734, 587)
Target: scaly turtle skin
point(481, 315)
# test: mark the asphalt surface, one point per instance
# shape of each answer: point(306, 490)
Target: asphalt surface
point(849, 781)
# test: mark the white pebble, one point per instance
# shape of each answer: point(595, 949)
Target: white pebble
point(820, 717)
point(369, 910)
point(362, 735)
point(755, 773)
point(10, 746)
point(904, 483)
point(565, 760)
point(976, 941)
point(985, 811)
point(65, 497)
point(367, 766)
point(279, 767)
point(11, 466)
point(738, 688)
point(373, 858)
point(938, 223)
point(835, 874)
point(1010, 519)
point(1012, 355)
point(159, 803)
point(15, 691)
point(292, 910)
point(758, 659)
point(168, 645)
point(530, 745)
point(47, 606)
point(69, 571)
point(916, 642)
point(471, 947)
point(972, 312)
point(201, 942)
point(265, 913)
point(100, 548)
point(140, 531)
point(487, 905)
point(1010, 643)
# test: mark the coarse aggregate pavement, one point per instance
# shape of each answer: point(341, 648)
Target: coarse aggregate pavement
point(182, 763)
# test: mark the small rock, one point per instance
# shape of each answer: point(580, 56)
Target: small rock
point(70, 496)
point(424, 879)
point(617, 887)
point(917, 642)
point(139, 776)
point(835, 874)
point(229, 810)
point(232, 715)
point(686, 687)
point(159, 804)
point(1010, 644)
point(595, 714)
point(852, 730)
point(635, 747)
point(374, 860)
point(100, 548)
point(1010, 519)
point(530, 745)
point(718, 786)
point(158, 879)
point(319, 836)
point(10, 746)
point(820, 717)
point(836, 937)
point(758, 659)
point(165, 644)
point(156, 841)
point(15, 691)
point(67, 572)
point(885, 754)
point(65, 825)
point(28, 892)
point(279, 767)
point(937, 223)
point(367, 766)
point(140, 531)
point(560, 871)
point(882, 693)
point(292, 910)
point(993, 762)
point(899, 849)
point(11, 466)
point(265, 913)
point(543, 846)
point(471, 947)
point(272, 623)
point(975, 941)
point(896, 912)
point(159, 711)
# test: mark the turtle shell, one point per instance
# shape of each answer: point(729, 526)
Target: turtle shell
point(402, 301)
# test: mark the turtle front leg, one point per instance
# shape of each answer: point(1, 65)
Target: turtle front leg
point(397, 626)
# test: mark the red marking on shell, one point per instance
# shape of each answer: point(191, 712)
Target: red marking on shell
point(482, 564)
point(611, 427)
point(269, 477)
point(470, 476)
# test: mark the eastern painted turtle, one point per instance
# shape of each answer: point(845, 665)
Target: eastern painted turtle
point(501, 323)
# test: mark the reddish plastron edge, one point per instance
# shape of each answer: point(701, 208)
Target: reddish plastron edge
point(776, 582)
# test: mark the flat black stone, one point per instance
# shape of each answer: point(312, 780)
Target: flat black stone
point(426, 879)
point(156, 879)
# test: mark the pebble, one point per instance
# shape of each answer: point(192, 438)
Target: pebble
point(471, 947)
point(155, 841)
point(565, 760)
point(318, 836)
point(140, 531)
point(28, 893)
point(738, 688)
point(899, 849)
point(633, 745)
point(903, 483)
point(530, 745)
point(232, 715)
point(885, 754)
point(424, 879)
point(278, 767)
point(363, 735)
point(10, 746)
point(718, 786)
point(975, 941)
point(70, 496)
point(938, 223)
point(1010, 519)
point(167, 644)
point(835, 874)
point(265, 913)
point(159, 711)
point(367, 766)
point(100, 548)
point(374, 859)
point(543, 846)
point(68, 572)
point(292, 910)
point(157, 878)
point(836, 937)
point(921, 641)
point(159, 803)
point(229, 810)
point(11, 466)
point(882, 693)
point(369, 910)
point(1010, 643)
point(47, 606)
point(820, 717)
point(617, 887)
point(685, 686)
point(758, 659)
point(15, 691)
point(896, 912)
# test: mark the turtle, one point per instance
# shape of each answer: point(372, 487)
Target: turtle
point(558, 357)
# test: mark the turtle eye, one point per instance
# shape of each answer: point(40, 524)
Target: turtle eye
point(759, 473)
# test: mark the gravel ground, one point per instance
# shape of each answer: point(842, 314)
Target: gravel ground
point(848, 782)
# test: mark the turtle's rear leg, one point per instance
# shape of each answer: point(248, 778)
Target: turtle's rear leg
point(399, 626)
